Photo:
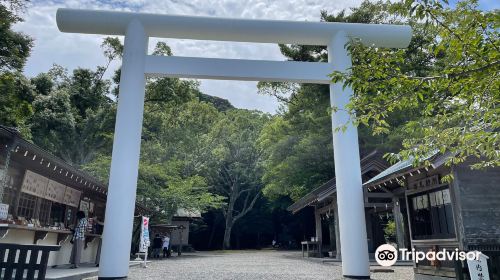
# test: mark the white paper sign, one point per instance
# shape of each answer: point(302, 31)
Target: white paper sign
point(4, 211)
point(34, 184)
point(446, 196)
point(85, 206)
point(71, 197)
point(55, 191)
point(478, 269)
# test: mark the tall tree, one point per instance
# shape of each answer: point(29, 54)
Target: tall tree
point(297, 145)
point(73, 116)
point(16, 99)
point(172, 160)
point(236, 161)
point(15, 47)
point(16, 92)
point(298, 142)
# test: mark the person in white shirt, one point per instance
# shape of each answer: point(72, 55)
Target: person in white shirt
point(166, 245)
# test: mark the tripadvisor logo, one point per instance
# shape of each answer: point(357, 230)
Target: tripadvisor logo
point(387, 255)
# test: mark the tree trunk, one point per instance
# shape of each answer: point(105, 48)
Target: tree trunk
point(227, 233)
point(226, 244)
point(248, 205)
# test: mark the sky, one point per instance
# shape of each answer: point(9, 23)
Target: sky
point(83, 50)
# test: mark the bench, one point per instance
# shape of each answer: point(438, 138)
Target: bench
point(313, 244)
point(14, 260)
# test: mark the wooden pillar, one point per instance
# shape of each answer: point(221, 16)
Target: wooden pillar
point(337, 231)
point(179, 249)
point(9, 147)
point(331, 231)
point(317, 221)
point(319, 231)
point(398, 220)
point(369, 231)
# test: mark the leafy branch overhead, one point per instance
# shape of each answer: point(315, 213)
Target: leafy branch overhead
point(441, 93)
point(449, 77)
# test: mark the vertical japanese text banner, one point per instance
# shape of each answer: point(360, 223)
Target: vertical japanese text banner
point(144, 241)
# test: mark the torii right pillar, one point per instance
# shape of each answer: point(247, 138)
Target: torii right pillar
point(354, 250)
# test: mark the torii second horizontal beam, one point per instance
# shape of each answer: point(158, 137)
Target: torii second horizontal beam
point(231, 29)
point(238, 69)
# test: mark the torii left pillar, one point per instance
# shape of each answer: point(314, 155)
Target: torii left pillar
point(126, 152)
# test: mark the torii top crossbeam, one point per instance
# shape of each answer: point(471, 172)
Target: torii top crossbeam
point(229, 29)
point(226, 29)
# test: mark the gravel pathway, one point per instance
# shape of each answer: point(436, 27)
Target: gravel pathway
point(250, 265)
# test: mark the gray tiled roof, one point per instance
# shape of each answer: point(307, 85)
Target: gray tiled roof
point(402, 165)
point(372, 161)
point(405, 165)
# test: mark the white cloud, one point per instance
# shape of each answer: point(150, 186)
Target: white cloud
point(78, 50)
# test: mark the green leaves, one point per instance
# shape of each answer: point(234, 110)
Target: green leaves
point(72, 115)
point(16, 93)
point(112, 48)
point(297, 145)
point(448, 78)
point(440, 94)
point(15, 47)
point(16, 97)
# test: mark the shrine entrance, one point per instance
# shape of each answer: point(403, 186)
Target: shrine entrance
point(136, 65)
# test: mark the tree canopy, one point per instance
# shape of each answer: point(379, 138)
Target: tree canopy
point(449, 77)
point(15, 47)
point(298, 141)
point(440, 94)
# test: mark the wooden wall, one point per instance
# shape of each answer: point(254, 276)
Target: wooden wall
point(478, 195)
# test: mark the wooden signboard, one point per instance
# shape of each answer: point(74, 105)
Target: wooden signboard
point(55, 191)
point(71, 197)
point(427, 182)
point(34, 184)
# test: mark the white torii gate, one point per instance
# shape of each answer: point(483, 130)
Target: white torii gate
point(136, 64)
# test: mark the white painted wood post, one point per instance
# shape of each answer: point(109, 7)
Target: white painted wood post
point(120, 204)
point(350, 202)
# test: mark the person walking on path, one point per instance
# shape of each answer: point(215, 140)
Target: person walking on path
point(157, 244)
point(78, 239)
point(166, 245)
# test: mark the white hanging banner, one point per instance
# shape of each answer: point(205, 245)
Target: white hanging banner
point(478, 269)
point(144, 241)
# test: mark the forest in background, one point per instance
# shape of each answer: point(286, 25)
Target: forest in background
point(242, 168)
